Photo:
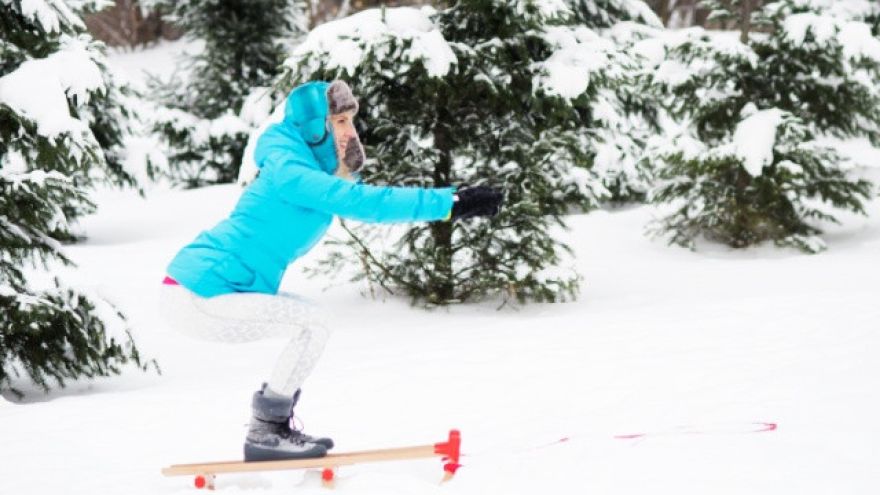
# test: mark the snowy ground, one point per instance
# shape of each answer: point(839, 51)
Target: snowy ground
point(662, 340)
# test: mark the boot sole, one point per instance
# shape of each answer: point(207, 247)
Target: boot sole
point(324, 442)
point(254, 453)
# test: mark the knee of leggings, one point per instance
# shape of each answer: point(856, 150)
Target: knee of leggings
point(315, 324)
point(320, 330)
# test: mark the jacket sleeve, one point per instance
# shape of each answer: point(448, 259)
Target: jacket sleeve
point(301, 183)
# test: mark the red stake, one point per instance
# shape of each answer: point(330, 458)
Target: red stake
point(451, 452)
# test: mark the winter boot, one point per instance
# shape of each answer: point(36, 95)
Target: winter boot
point(270, 438)
point(326, 442)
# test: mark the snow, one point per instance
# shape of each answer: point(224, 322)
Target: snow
point(202, 130)
point(852, 9)
point(249, 170)
point(345, 42)
point(50, 14)
point(858, 42)
point(14, 230)
point(257, 107)
point(38, 88)
point(227, 124)
point(755, 137)
point(859, 151)
point(855, 37)
point(821, 27)
point(839, 9)
point(13, 163)
point(711, 44)
point(547, 8)
point(18, 178)
point(164, 60)
point(673, 73)
point(640, 11)
point(577, 54)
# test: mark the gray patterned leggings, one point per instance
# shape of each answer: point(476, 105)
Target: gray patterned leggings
point(245, 317)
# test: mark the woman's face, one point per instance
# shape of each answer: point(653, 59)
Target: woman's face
point(349, 151)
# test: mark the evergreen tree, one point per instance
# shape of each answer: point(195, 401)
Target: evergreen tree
point(751, 169)
point(244, 45)
point(485, 92)
point(621, 117)
point(60, 130)
point(598, 14)
point(867, 11)
point(873, 20)
point(99, 106)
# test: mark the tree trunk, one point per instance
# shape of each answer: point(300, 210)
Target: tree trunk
point(664, 10)
point(443, 288)
point(745, 19)
point(125, 25)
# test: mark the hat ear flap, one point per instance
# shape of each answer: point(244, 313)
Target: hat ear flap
point(307, 111)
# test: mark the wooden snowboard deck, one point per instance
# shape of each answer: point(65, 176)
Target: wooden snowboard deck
point(206, 471)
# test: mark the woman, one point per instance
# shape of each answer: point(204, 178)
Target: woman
point(224, 284)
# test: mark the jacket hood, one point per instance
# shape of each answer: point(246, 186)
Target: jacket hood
point(306, 111)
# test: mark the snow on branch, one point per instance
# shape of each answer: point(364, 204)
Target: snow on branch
point(755, 137)
point(51, 15)
point(345, 43)
point(38, 88)
point(579, 52)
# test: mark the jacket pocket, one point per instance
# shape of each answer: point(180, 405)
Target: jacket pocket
point(235, 273)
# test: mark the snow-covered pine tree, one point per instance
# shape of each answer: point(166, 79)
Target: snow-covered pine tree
point(492, 92)
point(867, 11)
point(600, 14)
point(96, 99)
point(622, 115)
point(56, 116)
point(244, 45)
point(873, 19)
point(751, 168)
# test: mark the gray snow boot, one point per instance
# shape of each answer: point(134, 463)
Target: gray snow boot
point(270, 437)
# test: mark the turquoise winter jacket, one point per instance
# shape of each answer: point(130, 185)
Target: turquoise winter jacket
point(286, 210)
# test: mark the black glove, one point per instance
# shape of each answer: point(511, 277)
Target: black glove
point(476, 201)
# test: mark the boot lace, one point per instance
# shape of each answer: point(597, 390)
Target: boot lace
point(296, 432)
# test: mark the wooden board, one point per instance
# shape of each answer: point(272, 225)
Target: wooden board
point(205, 472)
point(328, 461)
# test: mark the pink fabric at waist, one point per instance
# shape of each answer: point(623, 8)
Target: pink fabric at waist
point(169, 281)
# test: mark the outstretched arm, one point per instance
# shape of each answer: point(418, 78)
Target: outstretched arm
point(303, 186)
